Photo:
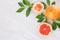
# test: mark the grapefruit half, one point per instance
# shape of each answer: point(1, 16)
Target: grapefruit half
point(45, 29)
point(38, 7)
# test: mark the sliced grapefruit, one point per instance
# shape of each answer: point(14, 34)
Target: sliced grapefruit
point(52, 12)
point(45, 29)
point(38, 7)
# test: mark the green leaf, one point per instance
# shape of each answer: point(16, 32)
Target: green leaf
point(31, 5)
point(26, 2)
point(58, 24)
point(20, 10)
point(53, 3)
point(40, 16)
point(58, 19)
point(40, 20)
point(44, 5)
point(28, 11)
point(54, 26)
point(48, 2)
point(21, 4)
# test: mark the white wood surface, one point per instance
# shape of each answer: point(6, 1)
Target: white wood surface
point(15, 26)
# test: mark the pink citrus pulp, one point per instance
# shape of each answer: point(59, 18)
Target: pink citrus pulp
point(38, 7)
point(45, 29)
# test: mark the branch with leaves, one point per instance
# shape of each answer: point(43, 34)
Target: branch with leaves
point(25, 4)
point(41, 17)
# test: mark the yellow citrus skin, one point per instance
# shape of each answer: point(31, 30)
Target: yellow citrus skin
point(52, 12)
